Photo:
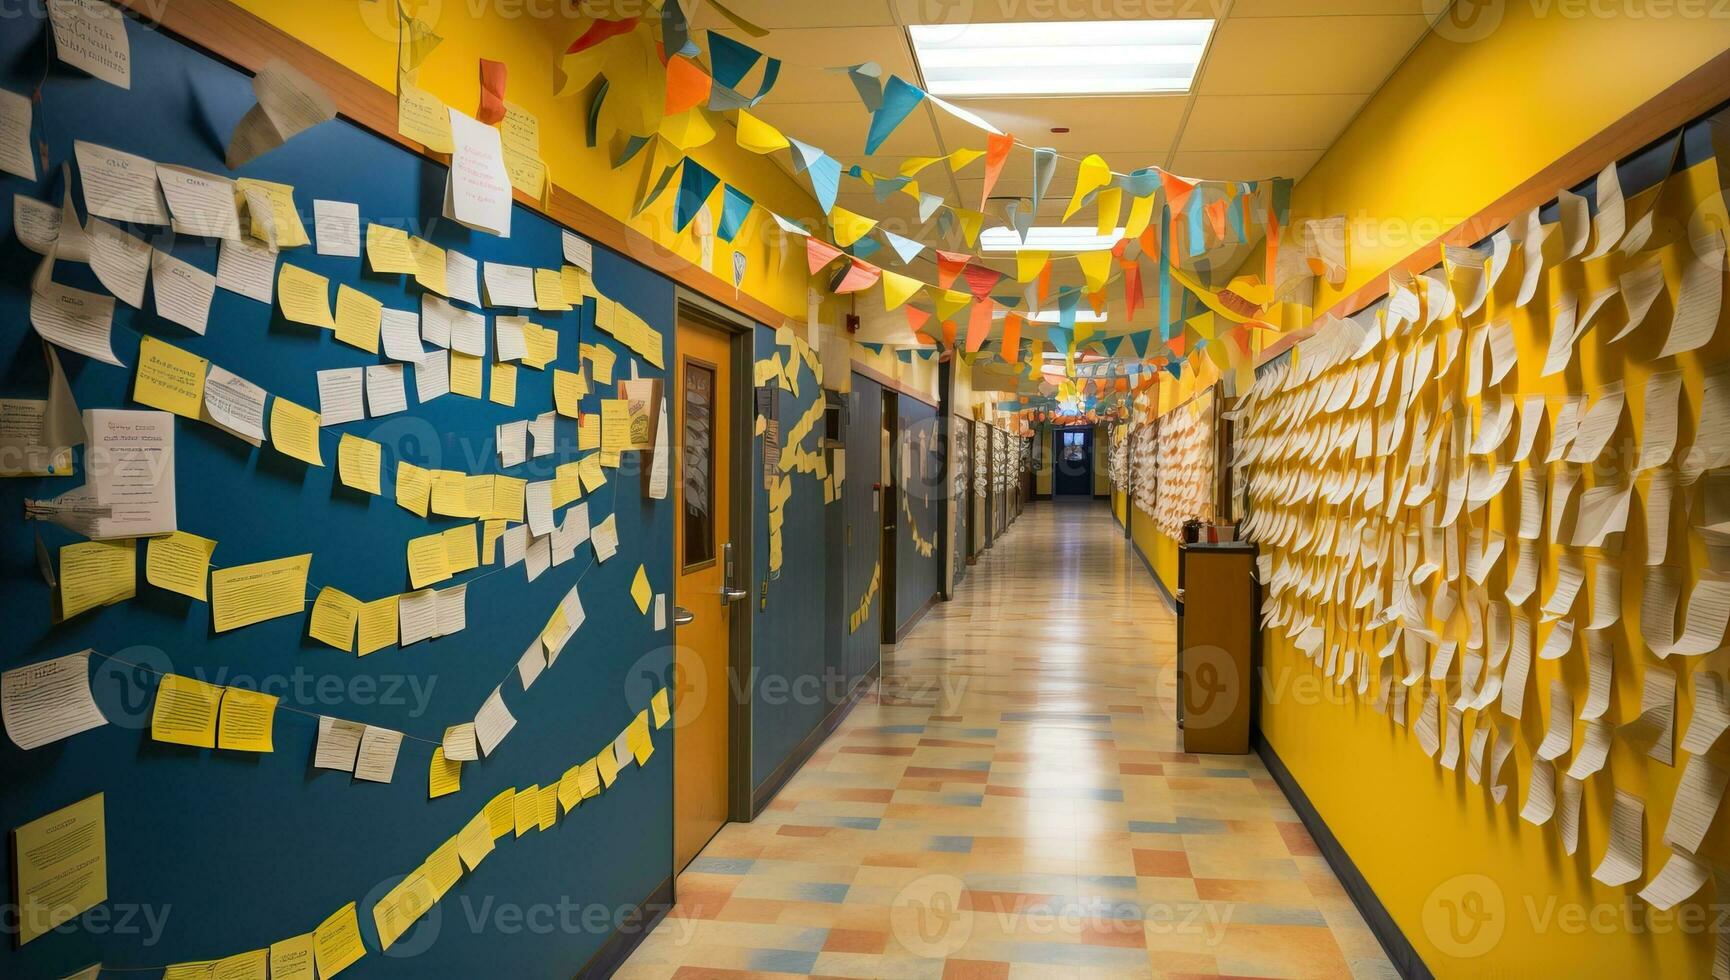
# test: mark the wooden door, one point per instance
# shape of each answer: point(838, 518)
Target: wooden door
point(701, 542)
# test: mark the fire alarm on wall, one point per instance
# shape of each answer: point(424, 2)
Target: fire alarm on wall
point(852, 322)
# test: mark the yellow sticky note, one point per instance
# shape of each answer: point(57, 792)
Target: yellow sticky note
point(550, 291)
point(357, 318)
point(450, 494)
point(491, 532)
point(475, 841)
point(501, 813)
point(640, 590)
point(294, 431)
point(528, 810)
point(442, 868)
point(508, 494)
point(567, 484)
point(637, 737)
point(658, 704)
point(542, 344)
point(169, 378)
point(429, 262)
point(615, 425)
point(601, 357)
point(465, 374)
point(413, 487)
point(337, 941)
point(548, 800)
point(245, 721)
point(428, 560)
point(377, 624)
point(589, 468)
point(284, 216)
point(571, 789)
point(589, 432)
point(304, 296)
point(577, 283)
point(446, 777)
point(66, 871)
point(291, 959)
point(334, 615)
point(358, 460)
point(247, 594)
point(185, 711)
point(568, 389)
point(179, 562)
point(589, 779)
point(608, 766)
point(97, 573)
point(422, 117)
point(387, 250)
point(502, 389)
point(460, 555)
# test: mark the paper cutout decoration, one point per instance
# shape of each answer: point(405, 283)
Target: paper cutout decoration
point(823, 170)
point(730, 61)
point(899, 98)
point(907, 248)
point(1044, 166)
point(996, 153)
point(688, 84)
point(601, 30)
point(850, 227)
point(758, 136)
point(695, 186)
point(492, 107)
point(735, 206)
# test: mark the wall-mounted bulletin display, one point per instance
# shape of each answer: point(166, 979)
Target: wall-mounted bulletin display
point(1118, 461)
point(1493, 507)
point(335, 581)
point(1185, 465)
point(1143, 462)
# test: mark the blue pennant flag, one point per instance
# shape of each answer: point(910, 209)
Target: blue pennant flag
point(899, 98)
point(734, 207)
point(865, 247)
point(695, 186)
point(824, 170)
point(908, 249)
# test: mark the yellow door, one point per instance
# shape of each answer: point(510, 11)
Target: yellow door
point(703, 530)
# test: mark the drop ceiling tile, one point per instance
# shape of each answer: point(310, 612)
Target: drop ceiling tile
point(1244, 164)
point(1005, 11)
point(1123, 125)
point(1282, 55)
point(1244, 9)
point(1267, 122)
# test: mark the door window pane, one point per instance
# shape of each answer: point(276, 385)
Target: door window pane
point(699, 465)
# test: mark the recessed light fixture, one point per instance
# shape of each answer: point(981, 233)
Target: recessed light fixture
point(1065, 58)
point(1048, 238)
point(1083, 315)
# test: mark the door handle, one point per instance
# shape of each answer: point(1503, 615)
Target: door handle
point(731, 594)
point(683, 616)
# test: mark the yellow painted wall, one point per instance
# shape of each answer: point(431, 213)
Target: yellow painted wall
point(363, 36)
point(1045, 454)
point(1458, 125)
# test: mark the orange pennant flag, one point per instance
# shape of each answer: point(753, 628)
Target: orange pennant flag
point(1011, 346)
point(1216, 218)
point(687, 85)
point(979, 325)
point(949, 334)
point(949, 265)
point(1176, 190)
point(996, 152)
point(916, 319)
point(492, 92)
point(1044, 283)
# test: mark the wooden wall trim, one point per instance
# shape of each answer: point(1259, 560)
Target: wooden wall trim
point(1692, 96)
point(892, 383)
point(248, 42)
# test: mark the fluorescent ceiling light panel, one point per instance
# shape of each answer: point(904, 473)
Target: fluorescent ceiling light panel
point(1048, 238)
point(1066, 58)
point(1083, 315)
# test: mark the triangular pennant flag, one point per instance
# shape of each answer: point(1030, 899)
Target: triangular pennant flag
point(979, 324)
point(980, 280)
point(1215, 212)
point(860, 276)
point(906, 248)
point(1044, 166)
point(928, 205)
point(687, 130)
point(758, 136)
point(1021, 221)
point(1110, 204)
point(899, 98)
point(1113, 344)
point(897, 288)
point(1095, 266)
point(676, 31)
point(1176, 190)
point(849, 227)
point(819, 253)
point(949, 265)
point(959, 159)
point(1029, 263)
point(971, 119)
point(996, 152)
point(1093, 175)
point(1140, 216)
point(917, 318)
point(601, 30)
point(948, 334)
point(971, 223)
point(729, 60)
point(695, 186)
point(867, 79)
point(864, 248)
point(1011, 346)
point(883, 187)
point(824, 171)
point(949, 303)
point(687, 84)
point(735, 205)
point(873, 348)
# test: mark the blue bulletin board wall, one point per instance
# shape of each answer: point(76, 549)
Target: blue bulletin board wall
point(215, 852)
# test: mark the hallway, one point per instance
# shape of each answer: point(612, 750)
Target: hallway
point(1012, 804)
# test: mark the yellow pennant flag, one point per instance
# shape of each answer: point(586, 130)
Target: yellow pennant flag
point(849, 227)
point(949, 302)
point(1093, 175)
point(1207, 296)
point(961, 158)
point(971, 222)
point(1110, 202)
point(1095, 266)
point(897, 288)
point(912, 165)
point(1140, 216)
point(1029, 264)
point(758, 136)
point(687, 130)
